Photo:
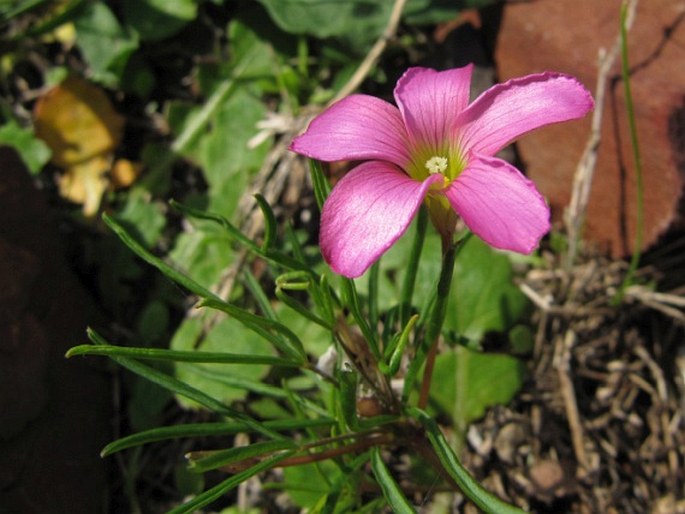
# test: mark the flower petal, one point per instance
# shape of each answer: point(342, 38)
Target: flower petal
point(367, 211)
point(358, 127)
point(430, 102)
point(500, 205)
point(506, 111)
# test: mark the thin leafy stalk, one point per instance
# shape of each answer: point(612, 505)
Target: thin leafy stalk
point(635, 144)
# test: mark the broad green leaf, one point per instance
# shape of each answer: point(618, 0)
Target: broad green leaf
point(328, 18)
point(227, 335)
point(157, 19)
point(34, 152)
point(306, 484)
point(314, 337)
point(205, 252)
point(143, 216)
point(104, 43)
point(422, 12)
point(467, 382)
point(484, 297)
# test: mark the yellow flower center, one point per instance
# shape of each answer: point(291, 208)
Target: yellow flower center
point(436, 164)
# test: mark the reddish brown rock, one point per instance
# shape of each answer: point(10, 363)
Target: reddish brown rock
point(566, 35)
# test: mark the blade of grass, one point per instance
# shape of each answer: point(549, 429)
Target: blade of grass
point(635, 144)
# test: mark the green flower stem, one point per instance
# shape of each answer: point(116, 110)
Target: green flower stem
point(437, 318)
point(413, 266)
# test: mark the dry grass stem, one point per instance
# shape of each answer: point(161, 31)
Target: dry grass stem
point(574, 216)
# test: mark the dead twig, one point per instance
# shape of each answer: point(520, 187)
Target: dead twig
point(574, 216)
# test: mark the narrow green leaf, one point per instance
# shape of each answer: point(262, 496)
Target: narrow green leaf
point(351, 300)
point(175, 275)
point(178, 387)
point(273, 256)
point(347, 399)
point(301, 309)
point(398, 350)
point(221, 220)
point(484, 500)
point(391, 490)
point(270, 223)
point(282, 337)
point(319, 182)
point(208, 461)
point(160, 354)
point(258, 293)
point(221, 489)
point(207, 429)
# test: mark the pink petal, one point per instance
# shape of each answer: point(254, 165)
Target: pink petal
point(500, 205)
point(367, 211)
point(430, 102)
point(358, 127)
point(506, 111)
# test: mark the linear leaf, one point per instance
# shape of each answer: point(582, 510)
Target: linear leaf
point(206, 429)
point(391, 490)
point(207, 461)
point(159, 354)
point(178, 387)
point(485, 500)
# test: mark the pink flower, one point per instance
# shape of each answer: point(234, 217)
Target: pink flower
point(438, 148)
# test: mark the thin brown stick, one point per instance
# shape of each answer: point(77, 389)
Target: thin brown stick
point(574, 216)
point(374, 54)
point(562, 362)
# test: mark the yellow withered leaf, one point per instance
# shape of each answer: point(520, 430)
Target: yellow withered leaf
point(79, 124)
